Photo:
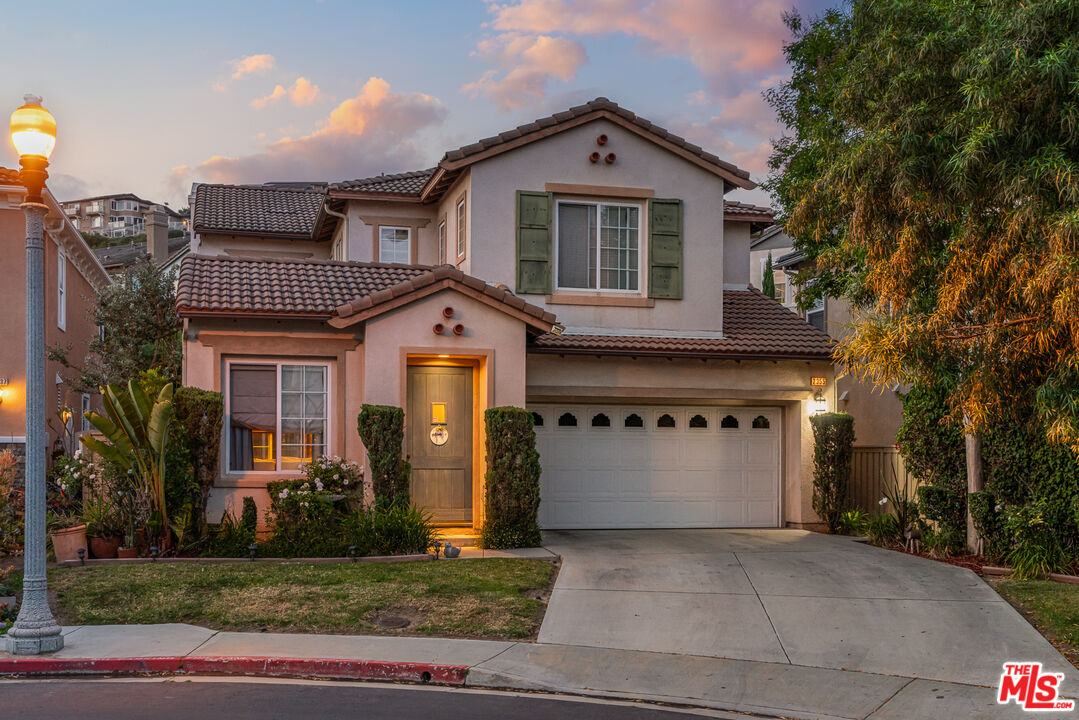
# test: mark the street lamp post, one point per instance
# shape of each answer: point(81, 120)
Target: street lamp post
point(33, 132)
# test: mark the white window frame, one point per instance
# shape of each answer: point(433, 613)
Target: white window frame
point(85, 409)
point(408, 249)
point(442, 242)
point(462, 228)
point(818, 307)
point(640, 248)
point(61, 290)
point(227, 421)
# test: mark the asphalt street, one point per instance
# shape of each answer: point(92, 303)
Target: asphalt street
point(207, 699)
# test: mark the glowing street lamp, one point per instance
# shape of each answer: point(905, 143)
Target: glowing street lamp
point(33, 133)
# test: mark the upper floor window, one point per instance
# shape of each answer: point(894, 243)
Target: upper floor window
point(61, 290)
point(815, 314)
point(394, 244)
point(460, 227)
point(442, 242)
point(85, 409)
point(598, 246)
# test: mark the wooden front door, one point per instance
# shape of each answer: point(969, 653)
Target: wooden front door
point(439, 430)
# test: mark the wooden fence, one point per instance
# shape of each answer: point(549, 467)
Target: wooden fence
point(869, 468)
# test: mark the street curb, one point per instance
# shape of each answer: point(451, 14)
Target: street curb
point(278, 667)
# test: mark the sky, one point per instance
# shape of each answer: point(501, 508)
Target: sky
point(151, 96)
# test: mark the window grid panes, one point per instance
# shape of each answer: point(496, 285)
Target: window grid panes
point(598, 246)
point(303, 414)
point(460, 228)
point(393, 244)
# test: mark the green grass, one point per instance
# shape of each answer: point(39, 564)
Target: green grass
point(1051, 607)
point(463, 598)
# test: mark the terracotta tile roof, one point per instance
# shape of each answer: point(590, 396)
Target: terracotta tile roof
point(407, 183)
point(120, 256)
point(754, 326)
point(319, 289)
point(272, 286)
point(435, 275)
point(257, 210)
point(733, 208)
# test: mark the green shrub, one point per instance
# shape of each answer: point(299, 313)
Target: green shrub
point(934, 450)
point(513, 475)
point(1035, 549)
point(306, 521)
point(852, 522)
point(382, 430)
point(228, 539)
point(944, 540)
point(882, 529)
point(390, 528)
point(989, 521)
point(249, 517)
point(198, 420)
point(833, 441)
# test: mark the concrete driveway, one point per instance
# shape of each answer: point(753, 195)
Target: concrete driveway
point(784, 596)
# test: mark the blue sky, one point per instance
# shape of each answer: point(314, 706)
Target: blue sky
point(151, 96)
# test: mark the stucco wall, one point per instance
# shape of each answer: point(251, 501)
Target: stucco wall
point(362, 245)
point(656, 380)
point(563, 158)
point(736, 254)
point(212, 244)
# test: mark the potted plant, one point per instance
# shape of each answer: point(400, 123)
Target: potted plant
point(68, 534)
point(103, 526)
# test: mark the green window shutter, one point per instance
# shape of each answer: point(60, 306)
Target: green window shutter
point(535, 212)
point(665, 249)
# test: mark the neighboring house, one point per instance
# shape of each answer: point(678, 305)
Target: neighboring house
point(73, 279)
point(120, 215)
point(772, 242)
point(166, 252)
point(585, 266)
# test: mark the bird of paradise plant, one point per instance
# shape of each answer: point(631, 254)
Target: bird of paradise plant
point(136, 432)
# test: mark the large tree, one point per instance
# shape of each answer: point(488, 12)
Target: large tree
point(140, 331)
point(930, 171)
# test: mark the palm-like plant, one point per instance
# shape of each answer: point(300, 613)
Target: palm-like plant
point(136, 432)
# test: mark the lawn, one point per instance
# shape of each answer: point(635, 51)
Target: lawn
point(488, 598)
point(1051, 607)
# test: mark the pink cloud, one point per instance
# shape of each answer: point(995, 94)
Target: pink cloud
point(726, 41)
point(375, 131)
point(526, 64)
point(252, 64)
point(302, 93)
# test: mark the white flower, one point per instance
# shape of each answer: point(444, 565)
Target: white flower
point(318, 485)
point(336, 476)
point(345, 481)
point(283, 494)
point(998, 508)
point(883, 501)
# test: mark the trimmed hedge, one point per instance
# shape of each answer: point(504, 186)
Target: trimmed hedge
point(382, 430)
point(198, 417)
point(833, 442)
point(513, 475)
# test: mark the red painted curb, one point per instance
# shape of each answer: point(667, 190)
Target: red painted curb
point(323, 668)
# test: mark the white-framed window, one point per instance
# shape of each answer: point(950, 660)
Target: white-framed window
point(460, 227)
point(598, 246)
point(442, 243)
point(815, 314)
point(97, 222)
point(278, 415)
point(394, 244)
point(85, 409)
point(61, 290)
point(781, 291)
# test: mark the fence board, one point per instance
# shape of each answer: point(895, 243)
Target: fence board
point(867, 473)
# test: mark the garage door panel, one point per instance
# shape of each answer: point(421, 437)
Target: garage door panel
point(656, 475)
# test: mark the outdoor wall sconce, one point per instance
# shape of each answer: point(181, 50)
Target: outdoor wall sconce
point(601, 140)
point(594, 157)
point(820, 405)
point(438, 328)
point(3, 389)
point(458, 329)
point(447, 312)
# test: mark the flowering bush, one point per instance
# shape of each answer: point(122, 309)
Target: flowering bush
point(334, 474)
point(308, 513)
point(64, 491)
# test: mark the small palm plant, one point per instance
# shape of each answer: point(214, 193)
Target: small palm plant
point(136, 432)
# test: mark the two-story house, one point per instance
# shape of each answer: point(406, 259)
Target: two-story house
point(73, 279)
point(585, 266)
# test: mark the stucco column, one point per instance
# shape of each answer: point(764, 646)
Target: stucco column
point(35, 630)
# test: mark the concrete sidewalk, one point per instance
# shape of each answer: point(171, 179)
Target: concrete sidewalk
point(763, 688)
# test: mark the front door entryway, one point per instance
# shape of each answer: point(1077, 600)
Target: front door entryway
point(438, 423)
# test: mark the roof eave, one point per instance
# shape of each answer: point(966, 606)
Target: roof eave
point(253, 233)
point(693, 355)
point(361, 195)
point(192, 313)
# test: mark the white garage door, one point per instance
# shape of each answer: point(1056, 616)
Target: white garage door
point(658, 466)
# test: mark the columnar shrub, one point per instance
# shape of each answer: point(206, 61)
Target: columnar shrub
point(382, 430)
point(198, 423)
point(935, 453)
point(833, 440)
point(513, 475)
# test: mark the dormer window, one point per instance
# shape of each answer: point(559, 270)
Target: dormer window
point(598, 246)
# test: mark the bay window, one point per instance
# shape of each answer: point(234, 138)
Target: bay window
point(277, 415)
point(598, 246)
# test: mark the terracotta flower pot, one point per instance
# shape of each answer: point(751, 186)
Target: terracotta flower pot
point(66, 542)
point(127, 553)
point(104, 547)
